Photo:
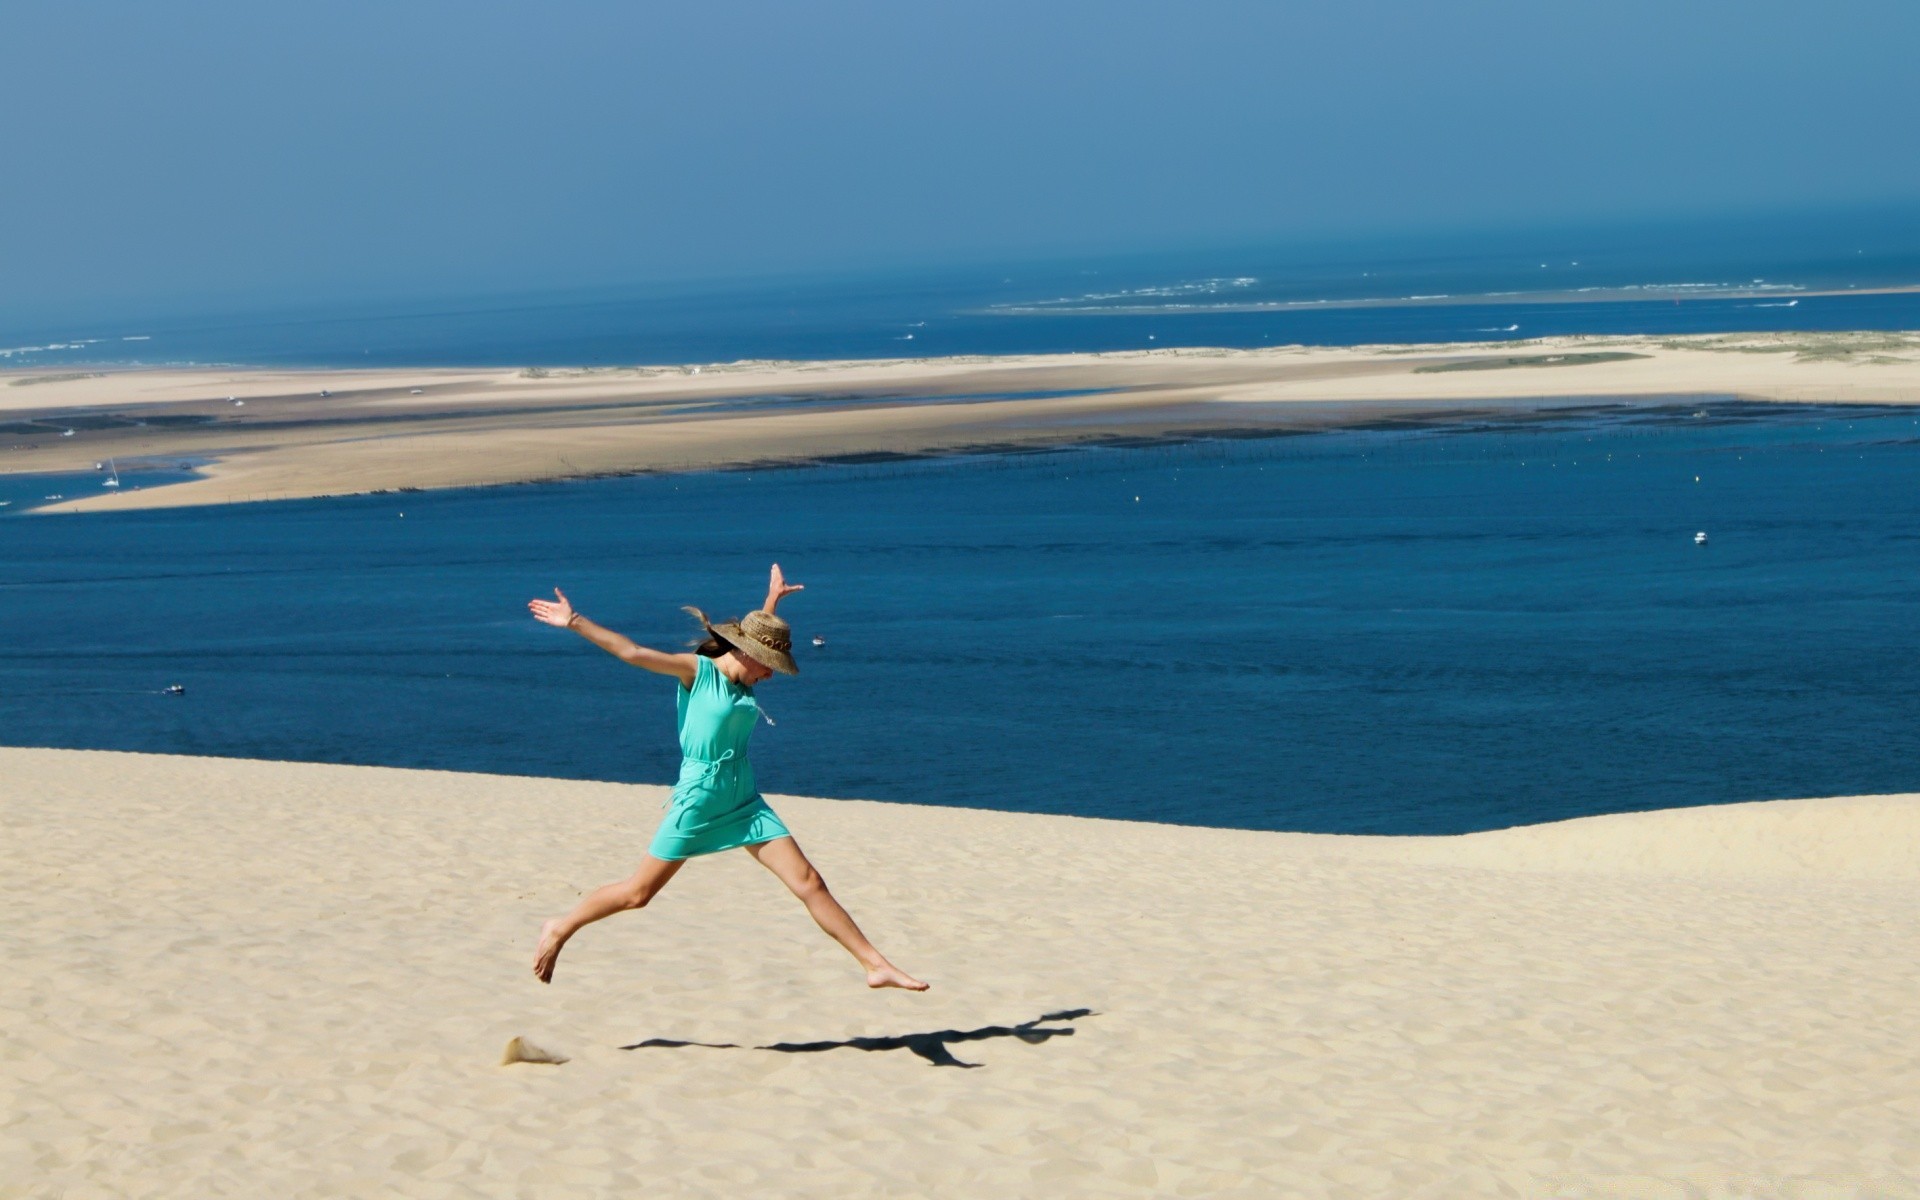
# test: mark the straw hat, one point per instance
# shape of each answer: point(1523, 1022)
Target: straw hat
point(759, 635)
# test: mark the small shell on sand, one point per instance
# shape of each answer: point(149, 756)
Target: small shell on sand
point(520, 1050)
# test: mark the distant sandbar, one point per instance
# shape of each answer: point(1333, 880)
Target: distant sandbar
point(276, 434)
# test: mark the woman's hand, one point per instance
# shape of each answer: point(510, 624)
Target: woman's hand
point(777, 587)
point(561, 614)
point(548, 612)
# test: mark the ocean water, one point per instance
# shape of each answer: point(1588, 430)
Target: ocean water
point(1672, 278)
point(1390, 631)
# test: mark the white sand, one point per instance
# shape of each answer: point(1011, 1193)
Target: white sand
point(468, 428)
point(253, 979)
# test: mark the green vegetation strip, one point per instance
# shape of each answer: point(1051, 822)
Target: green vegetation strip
point(1529, 360)
point(24, 380)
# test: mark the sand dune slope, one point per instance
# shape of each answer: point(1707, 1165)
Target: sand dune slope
point(1839, 839)
point(261, 979)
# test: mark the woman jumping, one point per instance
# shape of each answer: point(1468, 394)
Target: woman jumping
point(715, 805)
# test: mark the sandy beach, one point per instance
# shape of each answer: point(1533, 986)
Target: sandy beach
point(262, 435)
point(235, 978)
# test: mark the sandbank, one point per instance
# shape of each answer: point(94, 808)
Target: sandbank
point(296, 980)
point(431, 428)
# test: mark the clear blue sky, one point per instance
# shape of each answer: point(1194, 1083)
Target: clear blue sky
point(163, 153)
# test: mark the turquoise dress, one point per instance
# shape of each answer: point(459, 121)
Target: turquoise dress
point(715, 805)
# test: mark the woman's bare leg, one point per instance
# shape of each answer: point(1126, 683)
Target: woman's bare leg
point(782, 856)
point(632, 892)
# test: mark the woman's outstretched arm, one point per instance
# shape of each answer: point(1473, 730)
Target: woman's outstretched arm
point(559, 613)
point(777, 586)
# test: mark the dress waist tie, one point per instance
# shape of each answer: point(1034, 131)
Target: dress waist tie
point(709, 771)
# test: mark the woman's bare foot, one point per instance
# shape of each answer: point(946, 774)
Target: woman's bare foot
point(548, 952)
point(888, 975)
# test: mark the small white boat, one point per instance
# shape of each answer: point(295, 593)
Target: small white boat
point(112, 480)
point(819, 641)
point(1700, 539)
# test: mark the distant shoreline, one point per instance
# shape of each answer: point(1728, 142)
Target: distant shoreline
point(280, 434)
point(1653, 293)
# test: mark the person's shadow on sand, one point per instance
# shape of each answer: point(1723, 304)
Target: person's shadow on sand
point(930, 1046)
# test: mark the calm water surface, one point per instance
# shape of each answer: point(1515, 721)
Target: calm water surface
point(1357, 632)
point(1696, 276)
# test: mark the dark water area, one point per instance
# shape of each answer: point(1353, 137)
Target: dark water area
point(1367, 632)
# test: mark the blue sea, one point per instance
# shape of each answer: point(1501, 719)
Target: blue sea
point(1759, 273)
point(1431, 629)
point(1427, 630)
